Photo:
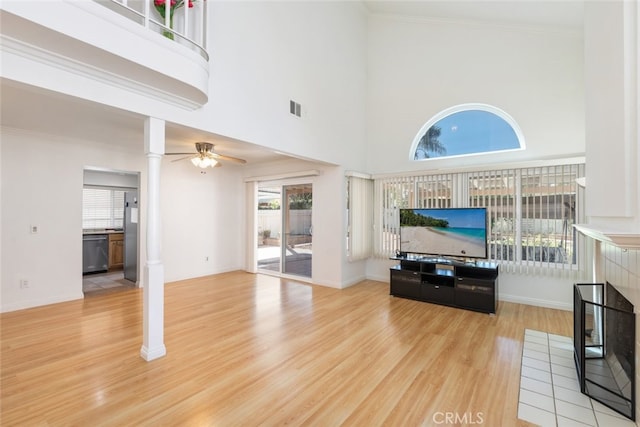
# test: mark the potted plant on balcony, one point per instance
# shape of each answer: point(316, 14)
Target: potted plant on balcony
point(161, 7)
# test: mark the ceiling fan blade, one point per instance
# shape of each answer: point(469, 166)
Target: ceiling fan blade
point(228, 158)
point(180, 154)
point(183, 158)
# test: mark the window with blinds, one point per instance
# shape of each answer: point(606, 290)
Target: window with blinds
point(102, 208)
point(531, 211)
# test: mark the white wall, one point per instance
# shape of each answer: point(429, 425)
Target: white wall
point(46, 191)
point(202, 220)
point(200, 215)
point(419, 68)
point(612, 65)
point(267, 53)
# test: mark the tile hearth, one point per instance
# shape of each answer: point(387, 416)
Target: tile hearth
point(549, 388)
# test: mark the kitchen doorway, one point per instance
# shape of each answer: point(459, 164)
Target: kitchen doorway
point(285, 230)
point(109, 231)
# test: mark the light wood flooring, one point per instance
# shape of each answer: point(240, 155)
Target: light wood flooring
point(245, 350)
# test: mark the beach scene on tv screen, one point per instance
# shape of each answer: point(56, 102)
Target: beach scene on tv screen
point(452, 232)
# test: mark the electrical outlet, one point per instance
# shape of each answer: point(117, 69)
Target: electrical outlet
point(24, 284)
point(34, 229)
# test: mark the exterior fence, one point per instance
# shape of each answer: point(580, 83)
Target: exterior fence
point(270, 223)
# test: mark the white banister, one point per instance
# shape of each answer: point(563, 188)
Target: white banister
point(188, 29)
point(187, 12)
point(167, 13)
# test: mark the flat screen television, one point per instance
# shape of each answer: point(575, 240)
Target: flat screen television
point(455, 232)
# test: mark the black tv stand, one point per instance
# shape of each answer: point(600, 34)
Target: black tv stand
point(469, 285)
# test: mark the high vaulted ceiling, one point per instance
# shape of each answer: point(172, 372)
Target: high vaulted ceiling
point(44, 111)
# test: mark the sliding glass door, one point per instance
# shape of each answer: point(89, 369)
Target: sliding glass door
point(297, 245)
point(285, 231)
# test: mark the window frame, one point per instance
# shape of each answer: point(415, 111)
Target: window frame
point(461, 108)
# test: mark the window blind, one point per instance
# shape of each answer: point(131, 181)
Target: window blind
point(102, 208)
point(360, 207)
point(531, 212)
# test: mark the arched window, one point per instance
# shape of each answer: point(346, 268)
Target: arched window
point(466, 130)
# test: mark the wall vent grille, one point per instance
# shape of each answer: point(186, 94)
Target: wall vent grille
point(295, 108)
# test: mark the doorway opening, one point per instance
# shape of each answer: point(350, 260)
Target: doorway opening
point(285, 230)
point(109, 231)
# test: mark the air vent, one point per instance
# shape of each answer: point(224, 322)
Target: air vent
point(295, 108)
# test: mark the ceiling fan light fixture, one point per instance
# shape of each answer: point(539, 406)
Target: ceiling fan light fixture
point(203, 162)
point(206, 157)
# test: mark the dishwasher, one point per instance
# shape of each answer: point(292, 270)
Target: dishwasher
point(95, 253)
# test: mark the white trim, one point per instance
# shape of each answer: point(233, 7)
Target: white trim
point(27, 51)
point(150, 354)
point(355, 280)
point(377, 278)
point(535, 302)
point(458, 109)
point(30, 303)
point(357, 175)
point(578, 159)
point(514, 27)
point(301, 174)
point(624, 240)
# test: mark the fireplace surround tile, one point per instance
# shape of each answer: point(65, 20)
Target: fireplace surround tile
point(554, 399)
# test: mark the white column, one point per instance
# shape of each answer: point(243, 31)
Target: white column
point(153, 306)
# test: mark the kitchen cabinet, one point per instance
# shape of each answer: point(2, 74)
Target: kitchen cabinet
point(116, 251)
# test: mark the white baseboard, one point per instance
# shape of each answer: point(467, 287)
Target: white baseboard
point(536, 302)
point(353, 281)
point(151, 354)
point(21, 305)
point(384, 279)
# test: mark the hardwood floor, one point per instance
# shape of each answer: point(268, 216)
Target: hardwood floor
point(246, 349)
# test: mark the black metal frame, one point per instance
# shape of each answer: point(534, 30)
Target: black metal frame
point(580, 356)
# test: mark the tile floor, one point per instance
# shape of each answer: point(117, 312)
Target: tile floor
point(549, 389)
point(94, 284)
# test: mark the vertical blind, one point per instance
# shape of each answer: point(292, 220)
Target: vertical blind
point(102, 208)
point(531, 212)
point(360, 220)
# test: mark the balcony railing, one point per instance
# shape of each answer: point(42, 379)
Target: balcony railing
point(184, 25)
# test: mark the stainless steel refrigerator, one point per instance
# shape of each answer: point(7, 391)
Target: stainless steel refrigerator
point(131, 218)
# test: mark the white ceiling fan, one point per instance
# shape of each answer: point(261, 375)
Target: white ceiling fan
point(205, 156)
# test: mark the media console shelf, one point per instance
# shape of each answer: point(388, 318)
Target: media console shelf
point(472, 286)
